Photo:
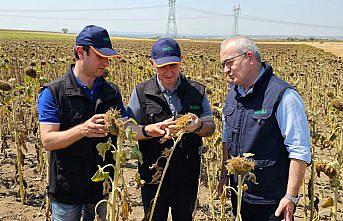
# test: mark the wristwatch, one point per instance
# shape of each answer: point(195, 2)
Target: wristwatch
point(145, 134)
point(199, 128)
point(294, 199)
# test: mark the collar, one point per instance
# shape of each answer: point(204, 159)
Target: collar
point(97, 81)
point(163, 90)
point(73, 84)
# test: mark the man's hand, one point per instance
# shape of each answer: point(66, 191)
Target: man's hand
point(159, 129)
point(94, 127)
point(195, 124)
point(285, 208)
point(54, 139)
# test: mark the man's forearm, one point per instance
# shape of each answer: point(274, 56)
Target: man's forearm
point(56, 140)
point(138, 131)
point(225, 157)
point(296, 175)
point(207, 129)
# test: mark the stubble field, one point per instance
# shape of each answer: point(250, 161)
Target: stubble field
point(29, 60)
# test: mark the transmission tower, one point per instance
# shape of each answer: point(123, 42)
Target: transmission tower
point(235, 17)
point(171, 26)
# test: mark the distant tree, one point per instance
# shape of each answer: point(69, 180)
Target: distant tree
point(65, 30)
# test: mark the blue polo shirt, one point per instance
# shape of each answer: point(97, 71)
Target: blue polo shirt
point(47, 108)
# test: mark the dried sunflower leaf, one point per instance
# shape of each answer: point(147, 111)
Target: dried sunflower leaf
point(100, 175)
point(328, 202)
point(103, 148)
point(136, 154)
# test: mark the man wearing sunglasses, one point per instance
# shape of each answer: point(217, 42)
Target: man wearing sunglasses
point(265, 116)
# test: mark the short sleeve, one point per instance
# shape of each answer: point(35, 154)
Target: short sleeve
point(48, 112)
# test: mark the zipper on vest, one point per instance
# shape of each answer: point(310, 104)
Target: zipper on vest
point(242, 125)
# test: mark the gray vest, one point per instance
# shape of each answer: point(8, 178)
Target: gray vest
point(184, 166)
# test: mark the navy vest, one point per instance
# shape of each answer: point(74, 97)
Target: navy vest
point(184, 166)
point(71, 168)
point(252, 128)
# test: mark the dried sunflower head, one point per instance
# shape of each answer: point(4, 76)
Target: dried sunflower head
point(31, 72)
point(183, 121)
point(330, 94)
point(320, 167)
point(5, 86)
point(336, 103)
point(112, 121)
point(327, 168)
point(180, 125)
point(240, 165)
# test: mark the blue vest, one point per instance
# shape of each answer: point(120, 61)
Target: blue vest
point(252, 128)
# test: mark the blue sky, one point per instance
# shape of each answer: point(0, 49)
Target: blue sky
point(202, 17)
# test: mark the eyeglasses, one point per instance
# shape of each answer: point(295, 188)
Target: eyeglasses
point(228, 62)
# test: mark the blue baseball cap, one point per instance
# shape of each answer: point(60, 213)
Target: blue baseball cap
point(98, 39)
point(165, 51)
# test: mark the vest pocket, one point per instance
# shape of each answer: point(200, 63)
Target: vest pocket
point(268, 177)
point(153, 114)
point(259, 123)
point(229, 120)
point(69, 177)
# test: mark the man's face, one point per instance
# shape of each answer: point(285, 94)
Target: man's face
point(168, 74)
point(236, 65)
point(93, 64)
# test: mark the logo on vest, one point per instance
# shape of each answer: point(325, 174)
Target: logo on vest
point(259, 112)
point(194, 107)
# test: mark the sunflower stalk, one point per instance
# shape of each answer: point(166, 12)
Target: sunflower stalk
point(116, 126)
point(239, 198)
point(164, 173)
point(210, 192)
point(120, 139)
point(19, 155)
point(241, 167)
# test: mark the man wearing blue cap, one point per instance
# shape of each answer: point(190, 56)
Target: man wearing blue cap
point(159, 100)
point(71, 115)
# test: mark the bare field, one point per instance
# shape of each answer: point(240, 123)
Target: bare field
point(334, 47)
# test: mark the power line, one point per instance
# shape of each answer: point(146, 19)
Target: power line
point(82, 10)
point(266, 20)
point(259, 19)
point(212, 14)
point(82, 19)
point(121, 19)
point(187, 8)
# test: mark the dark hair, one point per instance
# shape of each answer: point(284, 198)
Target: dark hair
point(84, 47)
